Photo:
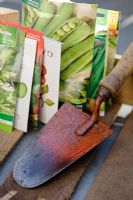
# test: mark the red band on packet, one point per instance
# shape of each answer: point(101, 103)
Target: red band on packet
point(35, 94)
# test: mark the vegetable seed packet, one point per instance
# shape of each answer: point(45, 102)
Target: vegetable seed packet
point(11, 53)
point(104, 52)
point(35, 77)
point(99, 66)
point(72, 24)
point(50, 88)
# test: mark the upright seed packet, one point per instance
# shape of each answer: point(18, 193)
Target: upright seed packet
point(50, 89)
point(36, 83)
point(106, 40)
point(113, 31)
point(72, 24)
point(99, 66)
point(11, 53)
point(25, 85)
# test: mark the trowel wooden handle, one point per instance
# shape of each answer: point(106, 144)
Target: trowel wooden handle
point(119, 74)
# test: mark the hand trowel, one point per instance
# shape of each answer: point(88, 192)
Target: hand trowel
point(71, 133)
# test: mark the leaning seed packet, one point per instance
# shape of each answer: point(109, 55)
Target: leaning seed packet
point(50, 87)
point(11, 53)
point(73, 24)
point(36, 83)
point(99, 66)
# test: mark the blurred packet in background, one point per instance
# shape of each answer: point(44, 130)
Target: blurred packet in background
point(36, 85)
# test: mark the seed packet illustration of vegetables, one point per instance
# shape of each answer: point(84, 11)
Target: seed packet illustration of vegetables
point(50, 87)
point(36, 84)
point(73, 24)
point(25, 85)
point(99, 66)
point(11, 53)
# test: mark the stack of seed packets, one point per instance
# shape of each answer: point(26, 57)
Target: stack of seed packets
point(26, 88)
point(73, 24)
point(84, 63)
point(72, 49)
point(37, 96)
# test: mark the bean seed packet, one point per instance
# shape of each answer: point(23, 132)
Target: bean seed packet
point(104, 52)
point(50, 87)
point(35, 78)
point(11, 53)
point(73, 24)
point(99, 66)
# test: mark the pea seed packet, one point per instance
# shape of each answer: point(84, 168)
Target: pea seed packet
point(73, 24)
point(36, 78)
point(11, 53)
point(50, 87)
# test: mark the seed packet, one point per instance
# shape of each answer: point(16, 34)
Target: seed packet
point(50, 88)
point(72, 24)
point(36, 83)
point(106, 39)
point(25, 85)
point(99, 66)
point(11, 53)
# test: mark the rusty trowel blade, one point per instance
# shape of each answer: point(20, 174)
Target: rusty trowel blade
point(57, 147)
